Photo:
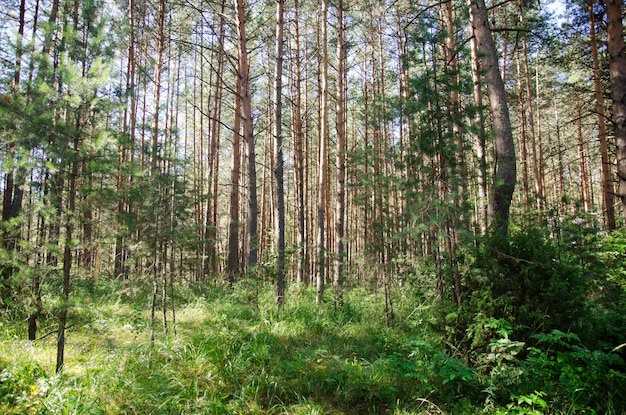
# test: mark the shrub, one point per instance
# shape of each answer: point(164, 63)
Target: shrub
point(525, 281)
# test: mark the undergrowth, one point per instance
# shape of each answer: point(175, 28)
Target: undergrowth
point(234, 352)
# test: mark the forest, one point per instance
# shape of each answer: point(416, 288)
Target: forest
point(299, 207)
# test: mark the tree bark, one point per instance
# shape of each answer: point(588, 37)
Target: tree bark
point(617, 69)
point(584, 181)
point(340, 208)
point(232, 267)
point(279, 292)
point(480, 144)
point(605, 162)
point(521, 138)
point(67, 250)
point(160, 47)
point(455, 104)
point(501, 193)
point(322, 178)
point(299, 160)
point(155, 166)
point(214, 162)
point(243, 72)
point(538, 196)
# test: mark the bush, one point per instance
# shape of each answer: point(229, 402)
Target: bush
point(571, 377)
point(524, 280)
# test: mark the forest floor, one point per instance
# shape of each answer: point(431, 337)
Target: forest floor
point(233, 353)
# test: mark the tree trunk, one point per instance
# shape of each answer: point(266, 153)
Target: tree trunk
point(125, 149)
point(212, 206)
point(559, 151)
point(538, 196)
point(54, 11)
point(617, 69)
point(454, 105)
point(155, 164)
point(340, 209)
point(232, 267)
point(501, 193)
point(322, 178)
point(160, 47)
point(279, 292)
point(243, 71)
point(605, 162)
point(482, 208)
point(522, 141)
point(299, 154)
point(584, 181)
point(67, 252)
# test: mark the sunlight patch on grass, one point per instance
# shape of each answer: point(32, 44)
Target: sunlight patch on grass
point(43, 352)
point(195, 312)
point(307, 408)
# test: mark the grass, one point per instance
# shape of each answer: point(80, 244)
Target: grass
point(232, 355)
point(229, 356)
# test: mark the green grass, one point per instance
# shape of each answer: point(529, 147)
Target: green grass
point(232, 355)
point(229, 356)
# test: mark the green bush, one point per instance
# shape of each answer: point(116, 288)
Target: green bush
point(524, 280)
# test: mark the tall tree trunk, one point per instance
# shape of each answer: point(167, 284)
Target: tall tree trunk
point(126, 149)
point(381, 146)
point(212, 203)
point(605, 162)
point(458, 163)
point(404, 130)
point(232, 267)
point(584, 181)
point(266, 212)
point(541, 154)
point(67, 250)
point(455, 104)
point(522, 137)
point(198, 147)
point(155, 165)
point(482, 208)
point(538, 194)
point(299, 166)
point(322, 178)
point(501, 193)
point(279, 292)
point(559, 152)
point(340, 209)
point(158, 66)
point(52, 18)
point(617, 69)
point(243, 69)
point(19, 48)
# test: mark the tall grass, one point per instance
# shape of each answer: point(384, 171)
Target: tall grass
point(234, 352)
